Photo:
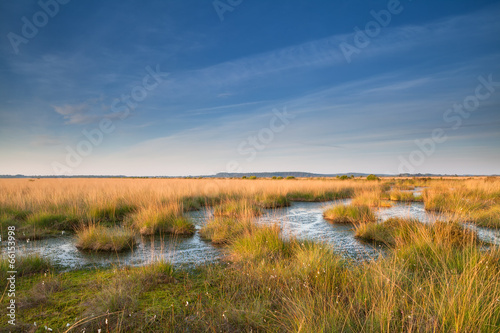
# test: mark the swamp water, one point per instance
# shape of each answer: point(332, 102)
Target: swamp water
point(303, 220)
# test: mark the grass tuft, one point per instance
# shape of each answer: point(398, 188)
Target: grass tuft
point(96, 237)
point(25, 265)
point(164, 219)
point(271, 201)
point(398, 232)
point(397, 195)
point(263, 244)
point(349, 214)
point(237, 208)
point(224, 230)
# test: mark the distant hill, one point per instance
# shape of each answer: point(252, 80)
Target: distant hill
point(296, 174)
point(284, 174)
point(77, 176)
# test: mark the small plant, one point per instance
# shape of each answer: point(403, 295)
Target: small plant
point(290, 177)
point(372, 177)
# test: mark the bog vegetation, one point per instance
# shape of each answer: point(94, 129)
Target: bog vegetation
point(431, 278)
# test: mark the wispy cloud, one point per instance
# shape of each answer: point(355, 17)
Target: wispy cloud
point(46, 140)
point(80, 114)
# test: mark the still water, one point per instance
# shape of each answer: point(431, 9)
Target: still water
point(303, 220)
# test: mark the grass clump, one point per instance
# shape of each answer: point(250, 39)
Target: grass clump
point(263, 244)
point(42, 223)
point(97, 237)
point(371, 198)
point(271, 201)
point(397, 195)
point(162, 219)
point(237, 208)
point(342, 193)
point(7, 220)
point(25, 265)
point(224, 230)
point(109, 212)
point(349, 214)
point(398, 232)
point(389, 232)
point(489, 218)
point(193, 203)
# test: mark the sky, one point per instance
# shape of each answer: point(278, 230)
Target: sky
point(178, 88)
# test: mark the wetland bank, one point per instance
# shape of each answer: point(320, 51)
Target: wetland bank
point(246, 255)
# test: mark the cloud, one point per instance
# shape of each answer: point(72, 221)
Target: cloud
point(80, 114)
point(69, 110)
point(45, 140)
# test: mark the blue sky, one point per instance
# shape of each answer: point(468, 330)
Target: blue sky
point(272, 86)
